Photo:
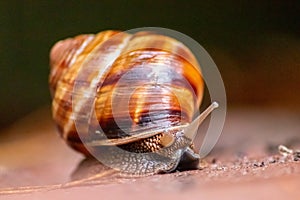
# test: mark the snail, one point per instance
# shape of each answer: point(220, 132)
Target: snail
point(128, 99)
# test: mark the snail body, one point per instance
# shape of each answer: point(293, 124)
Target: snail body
point(128, 97)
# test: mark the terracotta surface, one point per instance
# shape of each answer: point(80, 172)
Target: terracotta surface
point(245, 164)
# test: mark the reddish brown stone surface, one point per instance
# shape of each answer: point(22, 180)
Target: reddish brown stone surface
point(245, 164)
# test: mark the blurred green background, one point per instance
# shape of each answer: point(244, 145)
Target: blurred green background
point(255, 44)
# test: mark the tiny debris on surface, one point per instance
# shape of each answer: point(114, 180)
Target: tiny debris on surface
point(283, 150)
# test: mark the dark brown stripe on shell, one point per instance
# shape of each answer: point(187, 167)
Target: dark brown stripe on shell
point(147, 51)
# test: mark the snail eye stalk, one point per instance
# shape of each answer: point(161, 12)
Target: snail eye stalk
point(191, 130)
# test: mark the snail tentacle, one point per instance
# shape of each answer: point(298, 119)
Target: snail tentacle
point(190, 131)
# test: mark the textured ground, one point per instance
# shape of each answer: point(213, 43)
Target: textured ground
point(245, 164)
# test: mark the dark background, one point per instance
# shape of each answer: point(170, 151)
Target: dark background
point(255, 44)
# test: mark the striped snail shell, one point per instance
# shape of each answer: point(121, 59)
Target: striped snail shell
point(129, 99)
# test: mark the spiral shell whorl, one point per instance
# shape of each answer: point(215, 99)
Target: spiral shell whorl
point(154, 65)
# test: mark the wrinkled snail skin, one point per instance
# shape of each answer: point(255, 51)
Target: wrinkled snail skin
point(142, 87)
